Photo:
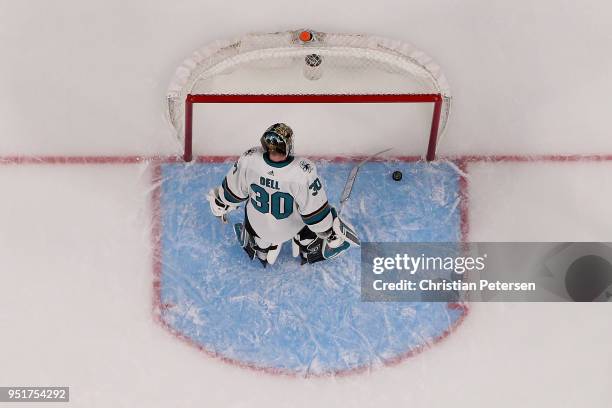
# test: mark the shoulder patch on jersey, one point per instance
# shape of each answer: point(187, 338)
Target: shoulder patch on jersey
point(251, 151)
point(306, 166)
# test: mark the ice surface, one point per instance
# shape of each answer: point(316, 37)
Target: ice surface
point(304, 320)
point(525, 202)
point(75, 240)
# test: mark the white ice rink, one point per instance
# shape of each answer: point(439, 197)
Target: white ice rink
point(89, 80)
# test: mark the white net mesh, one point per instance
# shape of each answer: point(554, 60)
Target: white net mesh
point(282, 63)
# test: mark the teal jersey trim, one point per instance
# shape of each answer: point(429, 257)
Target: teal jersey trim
point(229, 194)
point(278, 165)
point(317, 216)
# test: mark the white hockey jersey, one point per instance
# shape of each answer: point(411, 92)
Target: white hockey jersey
point(280, 197)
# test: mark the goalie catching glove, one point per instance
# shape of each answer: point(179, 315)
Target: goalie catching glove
point(315, 247)
point(217, 206)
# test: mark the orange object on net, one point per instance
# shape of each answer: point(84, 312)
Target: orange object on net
point(305, 36)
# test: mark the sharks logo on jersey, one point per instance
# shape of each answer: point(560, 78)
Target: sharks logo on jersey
point(251, 151)
point(307, 167)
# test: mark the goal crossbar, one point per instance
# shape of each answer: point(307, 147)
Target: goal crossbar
point(435, 98)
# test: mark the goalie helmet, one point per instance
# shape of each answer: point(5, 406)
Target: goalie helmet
point(278, 138)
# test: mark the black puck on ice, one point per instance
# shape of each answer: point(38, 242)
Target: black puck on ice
point(397, 175)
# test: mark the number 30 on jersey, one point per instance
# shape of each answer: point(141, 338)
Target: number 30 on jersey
point(279, 204)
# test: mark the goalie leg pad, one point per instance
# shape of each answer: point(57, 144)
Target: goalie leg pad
point(320, 250)
point(300, 243)
point(272, 253)
point(315, 248)
point(245, 240)
point(253, 245)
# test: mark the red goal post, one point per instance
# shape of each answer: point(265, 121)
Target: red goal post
point(310, 67)
point(436, 99)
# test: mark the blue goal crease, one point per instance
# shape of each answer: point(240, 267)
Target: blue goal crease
point(303, 319)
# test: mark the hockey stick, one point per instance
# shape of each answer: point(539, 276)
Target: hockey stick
point(348, 187)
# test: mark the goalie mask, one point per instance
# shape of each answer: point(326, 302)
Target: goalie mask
point(278, 138)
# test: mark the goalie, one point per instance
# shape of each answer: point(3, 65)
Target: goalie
point(284, 199)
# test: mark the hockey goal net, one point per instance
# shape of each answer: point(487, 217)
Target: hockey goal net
point(334, 72)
